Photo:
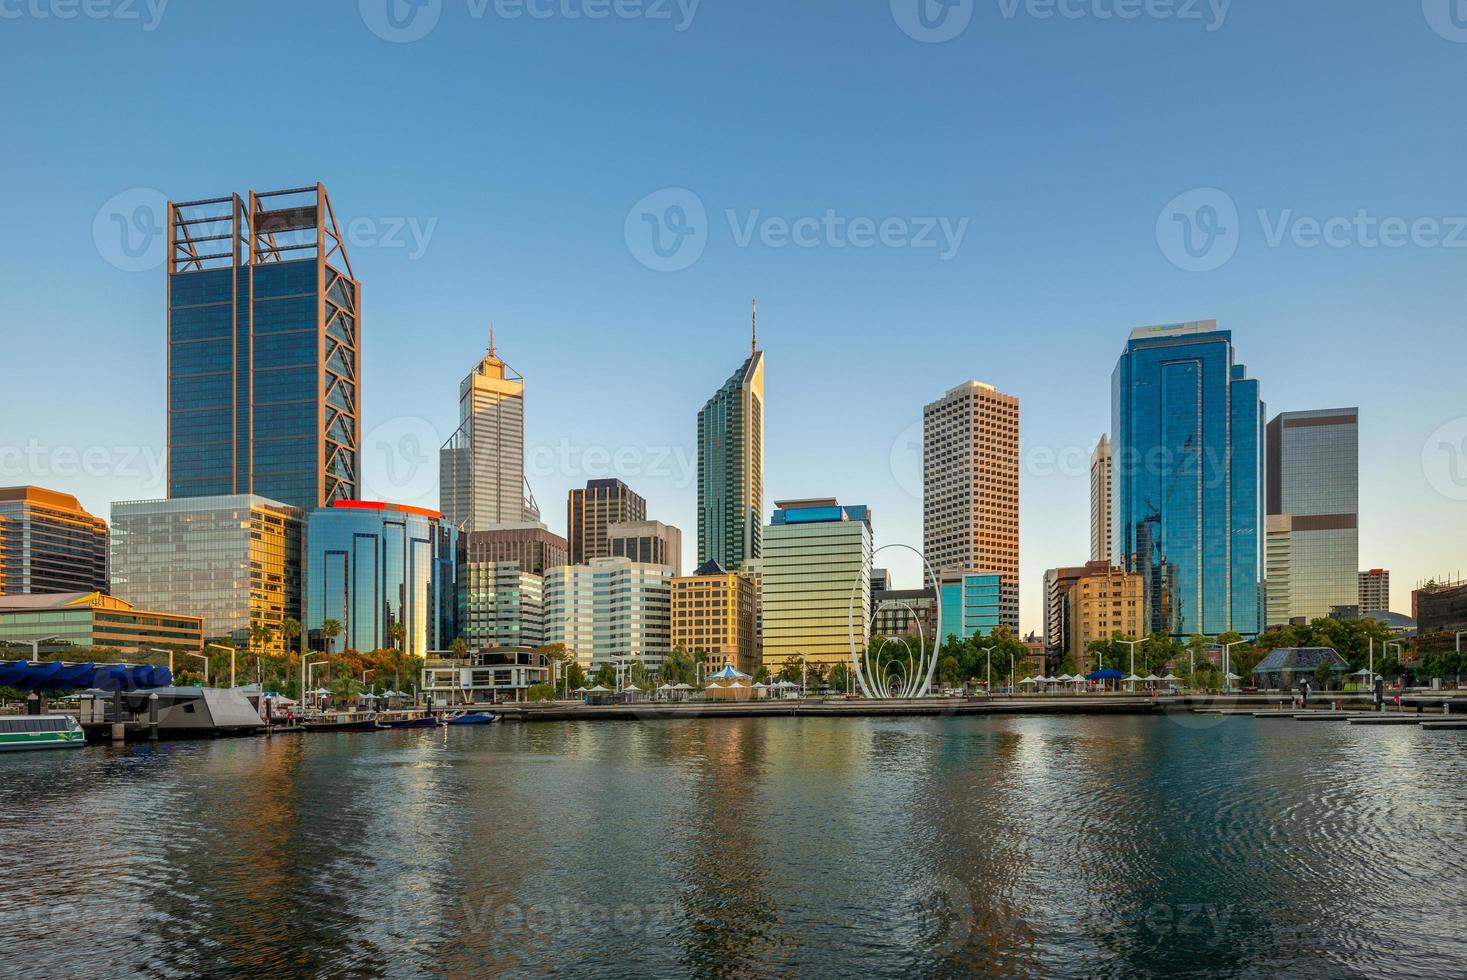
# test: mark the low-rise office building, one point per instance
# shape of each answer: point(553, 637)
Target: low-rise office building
point(610, 609)
point(713, 612)
point(49, 544)
point(93, 619)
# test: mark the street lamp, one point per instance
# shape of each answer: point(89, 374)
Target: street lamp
point(988, 672)
point(1400, 651)
point(36, 647)
point(231, 652)
point(206, 664)
point(304, 657)
point(311, 676)
point(1132, 644)
point(168, 653)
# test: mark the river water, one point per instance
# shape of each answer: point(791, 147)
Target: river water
point(1112, 847)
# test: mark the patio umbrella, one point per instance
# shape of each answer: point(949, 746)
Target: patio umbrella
point(683, 687)
point(580, 690)
point(1151, 678)
point(1029, 680)
point(631, 688)
point(599, 689)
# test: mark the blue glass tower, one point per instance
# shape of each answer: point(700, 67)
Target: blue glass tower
point(1187, 427)
point(263, 350)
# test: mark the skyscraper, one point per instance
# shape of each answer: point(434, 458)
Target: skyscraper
point(1100, 500)
point(1313, 556)
point(590, 512)
point(1187, 431)
point(649, 542)
point(818, 554)
point(1375, 591)
point(970, 487)
point(263, 350)
point(610, 609)
point(731, 466)
point(49, 544)
point(482, 467)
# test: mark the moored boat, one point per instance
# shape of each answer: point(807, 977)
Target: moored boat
point(408, 719)
point(471, 718)
point(343, 721)
point(24, 732)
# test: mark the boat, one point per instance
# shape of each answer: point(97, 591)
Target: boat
point(408, 719)
point(471, 718)
point(343, 721)
point(22, 732)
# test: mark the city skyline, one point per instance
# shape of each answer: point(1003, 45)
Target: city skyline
point(439, 263)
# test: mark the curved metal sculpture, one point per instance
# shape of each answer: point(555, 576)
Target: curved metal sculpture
point(912, 680)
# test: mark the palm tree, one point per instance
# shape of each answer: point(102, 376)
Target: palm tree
point(291, 630)
point(330, 630)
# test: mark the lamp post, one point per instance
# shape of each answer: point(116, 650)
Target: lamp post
point(36, 647)
point(205, 659)
point(1400, 651)
point(1227, 649)
point(231, 652)
point(1012, 672)
point(167, 653)
point(1132, 644)
point(311, 676)
point(804, 676)
point(304, 657)
point(988, 672)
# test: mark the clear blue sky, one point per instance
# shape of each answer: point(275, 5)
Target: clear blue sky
point(525, 144)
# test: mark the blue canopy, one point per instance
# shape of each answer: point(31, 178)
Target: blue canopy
point(1105, 674)
point(54, 675)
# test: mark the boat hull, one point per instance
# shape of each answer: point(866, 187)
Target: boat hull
point(343, 726)
point(32, 742)
point(414, 723)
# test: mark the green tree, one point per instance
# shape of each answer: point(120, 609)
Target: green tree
point(1322, 676)
point(290, 628)
point(840, 677)
point(459, 648)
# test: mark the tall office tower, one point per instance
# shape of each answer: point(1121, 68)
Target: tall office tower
point(590, 512)
point(649, 542)
point(386, 573)
point(532, 547)
point(1187, 431)
point(235, 561)
point(500, 605)
point(49, 544)
point(610, 609)
point(731, 466)
point(970, 487)
point(264, 358)
point(1100, 501)
point(816, 555)
point(1058, 583)
point(482, 467)
point(1375, 591)
point(1313, 529)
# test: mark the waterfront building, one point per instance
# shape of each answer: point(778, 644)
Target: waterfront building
point(713, 612)
point(489, 677)
point(731, 466)
point(49, 544)
point(648, 542)
point(1187, 433)
point(1440, 607)
point(1058, 582)
point(1103, 602)
point(970, 487)
point(971, 603)
point(1312, 559)
point(817, 555)
point(500, 605)
point(531, 546)
point(1285, 667)
point(264, 356)
point(1100, 501)
point(386, 572)
point(591, 511)
point(235, 561)
point(610, 609)
point(904, 612)
point(91, 620)
point(1374, 589)
point(482, 467)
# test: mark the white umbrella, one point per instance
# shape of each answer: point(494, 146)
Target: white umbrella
point(1233, 677)
point(683, 687)
point(667, 687)
point(1151, 677)
point(631, 688)
point(1029, 680)
point(580, 690)
point(738, 686)
point(1064, 677)
point(1134, 678)
point(598, 689)
point(761, 687)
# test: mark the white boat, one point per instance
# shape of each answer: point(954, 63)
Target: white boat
point(19, 733)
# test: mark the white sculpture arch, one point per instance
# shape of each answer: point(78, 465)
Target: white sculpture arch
point(916, 678)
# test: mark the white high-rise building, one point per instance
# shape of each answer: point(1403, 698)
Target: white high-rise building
point(610, 609)
point(1100, 498)
point(482, 467)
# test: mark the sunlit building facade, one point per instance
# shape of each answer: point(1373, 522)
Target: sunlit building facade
point(731, 467)
point(817, 556)
point(263, 350)
point(1104, 602)
point(235, 561)
point(649, 542)
point(610, 609)
point(500, 605)
point(590, 512)
point(49, 544)
point(1374, 591)
point(713, 612)
point(1187, 438)
point(971, 603)
point(387, 573)
point(93, 620)
point(1100, 500)
point(482, 467)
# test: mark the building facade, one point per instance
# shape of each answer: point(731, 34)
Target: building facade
point(49, 544)
point(610, 609)
point(971, 603)
point(904, 612)
point(713, 612)
point(591, 511)
point(817, 556)
point(970, 487)
point(93, 619)
point(531, 546)
point(387, 573)
point(1100, 501)
point(731, 467)
point(1103, 602)
point(264, 356)
point(235, 561)
point(1187, 435)
point(1374, 590)
point(648, 542)
point(1440, 607)
point(482, 467)
point(1312, 560)
point(1058, 586)
point(500, 605)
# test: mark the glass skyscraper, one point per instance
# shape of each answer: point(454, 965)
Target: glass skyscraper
point(970, 604)
point(1313, 557)
point(731, 467)
point(375, 567)
point(1187, 433)
point(263, 353)
point(817, 555)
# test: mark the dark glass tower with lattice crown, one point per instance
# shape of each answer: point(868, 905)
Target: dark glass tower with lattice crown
point(264, 355)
